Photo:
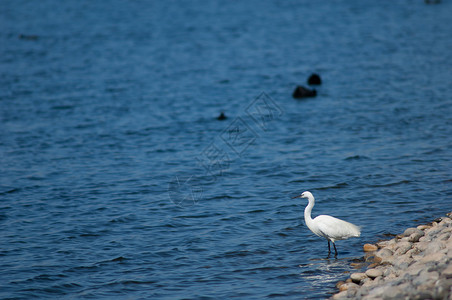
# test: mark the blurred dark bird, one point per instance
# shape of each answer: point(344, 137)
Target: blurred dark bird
point(302, 92)
point(222, 117)
point(314, 79)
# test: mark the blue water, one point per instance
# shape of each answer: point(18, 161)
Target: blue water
point(117, 181)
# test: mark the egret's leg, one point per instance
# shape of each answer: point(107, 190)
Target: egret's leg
point(329, 249)
point(335, 250)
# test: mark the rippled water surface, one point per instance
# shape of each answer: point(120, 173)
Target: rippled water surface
point(117, 181)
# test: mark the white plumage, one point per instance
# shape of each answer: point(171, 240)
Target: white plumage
point(331, 228)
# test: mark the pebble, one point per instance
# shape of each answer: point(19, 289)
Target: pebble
point(369, 248)
point(338, 285)
point(341, 295)
point(421, 246)
point(448, 271)
point(442, 288)
point(384, 253)
point(357, 265)
point(409, 231)
point(403, 248)
point(404, 239)
point(357, 277)
point(414, 265)
point(425, 277)
point(415, 236)
point(434, 247)
point(389, 270)
point(447, 221)
point(423, 227)
point(382, 244)
point(423, 295)
point(432, 232)
point(373, 265)
point(347, 286)
point(415, 269)
point(402, 262)
point(392, 292)
point(444, 236)
point(373, 273)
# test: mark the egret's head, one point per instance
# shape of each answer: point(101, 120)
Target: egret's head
point(304, 195)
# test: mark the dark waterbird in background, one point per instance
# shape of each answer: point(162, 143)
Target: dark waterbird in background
point(302, 92)
point(331, 228)
point(222, 117)
point(314, 79)
point(28, 37)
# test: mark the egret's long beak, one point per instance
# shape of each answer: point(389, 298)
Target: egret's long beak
point(299, 196)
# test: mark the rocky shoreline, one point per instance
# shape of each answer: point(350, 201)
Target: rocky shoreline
point(414, 265)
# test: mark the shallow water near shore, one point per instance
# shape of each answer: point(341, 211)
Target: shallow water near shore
point(117, 181)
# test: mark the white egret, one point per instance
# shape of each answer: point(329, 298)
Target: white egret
point(331, 228)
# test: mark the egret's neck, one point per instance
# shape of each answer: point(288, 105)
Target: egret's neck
point(308, 209)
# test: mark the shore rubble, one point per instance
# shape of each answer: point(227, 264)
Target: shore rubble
point(414, 265)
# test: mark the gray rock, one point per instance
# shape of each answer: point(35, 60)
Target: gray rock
point(394, 281)
point(351, 292)
point(425, 291)
point(368, 282)
point(434, 257)
point(403, 262)
point(388, 271)
point(403, 247)
point(362, 292)
point(340, 295)
point(422, 295)
point(409, 231)
point(442, 289)
point(377, 292)
point(425, 239)
point(373, 273)
point(382, 244)
point(367, 279)
point(415, 269)
point(444, 236)
point(421, 246)
point(434, 246)
point(348, 285)
point(392, 244)
point(445, 221)
point(423, 227)
point(393, 292)
point(448, 271)
point(435, 267)
point(388, 260)
point(370, 258)
point(357, 277)
point(412, 252)
point(385, 252)
point(415, 236)
point(432, 232)
point(426, 278)
point(407, 288)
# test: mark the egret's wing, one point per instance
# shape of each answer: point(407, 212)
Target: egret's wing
point(336, 229)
